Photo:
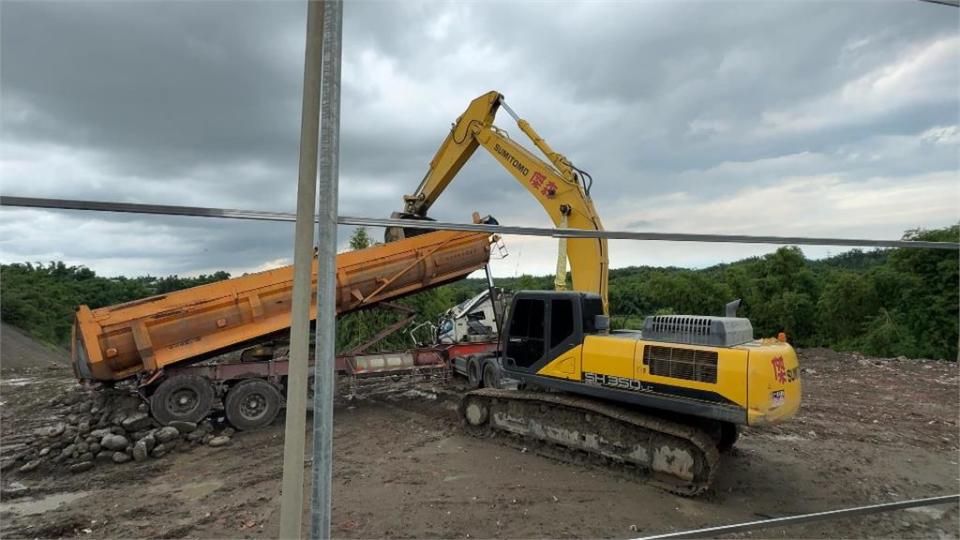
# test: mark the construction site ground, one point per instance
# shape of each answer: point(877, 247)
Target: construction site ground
point(870, 431)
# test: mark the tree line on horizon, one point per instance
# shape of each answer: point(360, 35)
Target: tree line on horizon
point(889, 302)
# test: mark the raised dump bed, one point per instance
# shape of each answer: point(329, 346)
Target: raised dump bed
point(149, 339)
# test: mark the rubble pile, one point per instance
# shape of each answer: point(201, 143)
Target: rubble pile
point(114, 426)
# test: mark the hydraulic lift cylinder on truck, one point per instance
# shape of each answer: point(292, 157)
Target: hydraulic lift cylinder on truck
point(152, 338)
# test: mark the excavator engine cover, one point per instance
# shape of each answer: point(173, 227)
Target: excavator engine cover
point(698, 330)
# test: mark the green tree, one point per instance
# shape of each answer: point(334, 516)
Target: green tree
point(849, 300)
point(360, 239)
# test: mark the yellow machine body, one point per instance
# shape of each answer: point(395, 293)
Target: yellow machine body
point(760, 378)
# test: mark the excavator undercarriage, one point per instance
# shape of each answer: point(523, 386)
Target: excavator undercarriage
point(677, 457)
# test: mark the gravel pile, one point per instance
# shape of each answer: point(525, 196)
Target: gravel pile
point(108, 426)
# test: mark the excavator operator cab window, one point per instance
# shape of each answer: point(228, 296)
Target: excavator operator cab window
point(561, 321)
point(591, 308)
point(525, 341)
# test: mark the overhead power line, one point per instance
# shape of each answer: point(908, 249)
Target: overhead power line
point(261, 215)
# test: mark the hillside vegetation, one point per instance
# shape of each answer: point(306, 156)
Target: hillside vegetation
point(883, 302)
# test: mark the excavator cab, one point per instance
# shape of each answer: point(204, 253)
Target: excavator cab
point(545, 325)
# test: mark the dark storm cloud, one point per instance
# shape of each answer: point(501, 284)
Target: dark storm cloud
point(680, 106)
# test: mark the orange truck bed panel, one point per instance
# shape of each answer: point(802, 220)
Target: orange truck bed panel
point(143, 336)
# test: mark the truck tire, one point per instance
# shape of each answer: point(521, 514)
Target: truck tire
point(252, 404)
point(184, 398)
point(491, 375)
point(473, 373)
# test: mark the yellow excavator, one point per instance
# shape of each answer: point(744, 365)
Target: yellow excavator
point(663, 401)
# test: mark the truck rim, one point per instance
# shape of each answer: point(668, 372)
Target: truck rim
point(254, 406)
point(183, 401)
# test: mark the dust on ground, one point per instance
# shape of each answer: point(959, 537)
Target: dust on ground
point(870, 430)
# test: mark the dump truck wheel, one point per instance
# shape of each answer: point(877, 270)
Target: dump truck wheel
point(252, 404)
point(473, 373)
point(491, 376)
point(184, 398)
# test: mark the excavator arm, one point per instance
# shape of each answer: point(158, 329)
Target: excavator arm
point(561, 188)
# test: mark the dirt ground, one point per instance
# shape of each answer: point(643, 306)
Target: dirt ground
point(869, 431)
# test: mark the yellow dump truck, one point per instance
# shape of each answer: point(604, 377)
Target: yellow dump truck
point(158, 341)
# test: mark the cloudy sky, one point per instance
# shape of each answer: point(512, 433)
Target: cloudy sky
point(780, 118)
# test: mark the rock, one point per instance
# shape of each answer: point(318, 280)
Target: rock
point(183, 427)
point(69, 449)
point(84, 427)
point(120, 457)
point(149, 441)
point(86, 456)
point(90, 440)
point(159, 451)
point(118, 430)
point(83, 447)
point(81, 407)
point(44, 451)
point(220, 440)
point(143, 407)
point(114, 442)
point(105, 456)
point(31, 465)
point(100, 433)
point(7, 464)
point(136, 422)
point(166, 433)
point(140, 451)
point(207, 437)
point(228, 432)
point(95, 448)
point(50, 431)
point(205, 426)
point(81, 467)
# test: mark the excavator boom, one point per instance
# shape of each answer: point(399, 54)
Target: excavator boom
point(557, 185)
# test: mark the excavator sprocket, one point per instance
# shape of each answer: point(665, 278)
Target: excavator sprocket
point(679, 458)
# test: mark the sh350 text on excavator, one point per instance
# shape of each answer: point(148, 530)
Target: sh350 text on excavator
point(662, 402)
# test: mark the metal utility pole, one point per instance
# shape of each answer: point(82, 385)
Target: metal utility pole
point(323, 374)
point(291, 499)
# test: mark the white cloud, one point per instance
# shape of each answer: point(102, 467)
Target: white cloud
point(663, 102)
point(926, 73)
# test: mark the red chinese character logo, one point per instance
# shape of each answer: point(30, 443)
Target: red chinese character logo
point(549, 190)
point(779, 370)
point(537, 179)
